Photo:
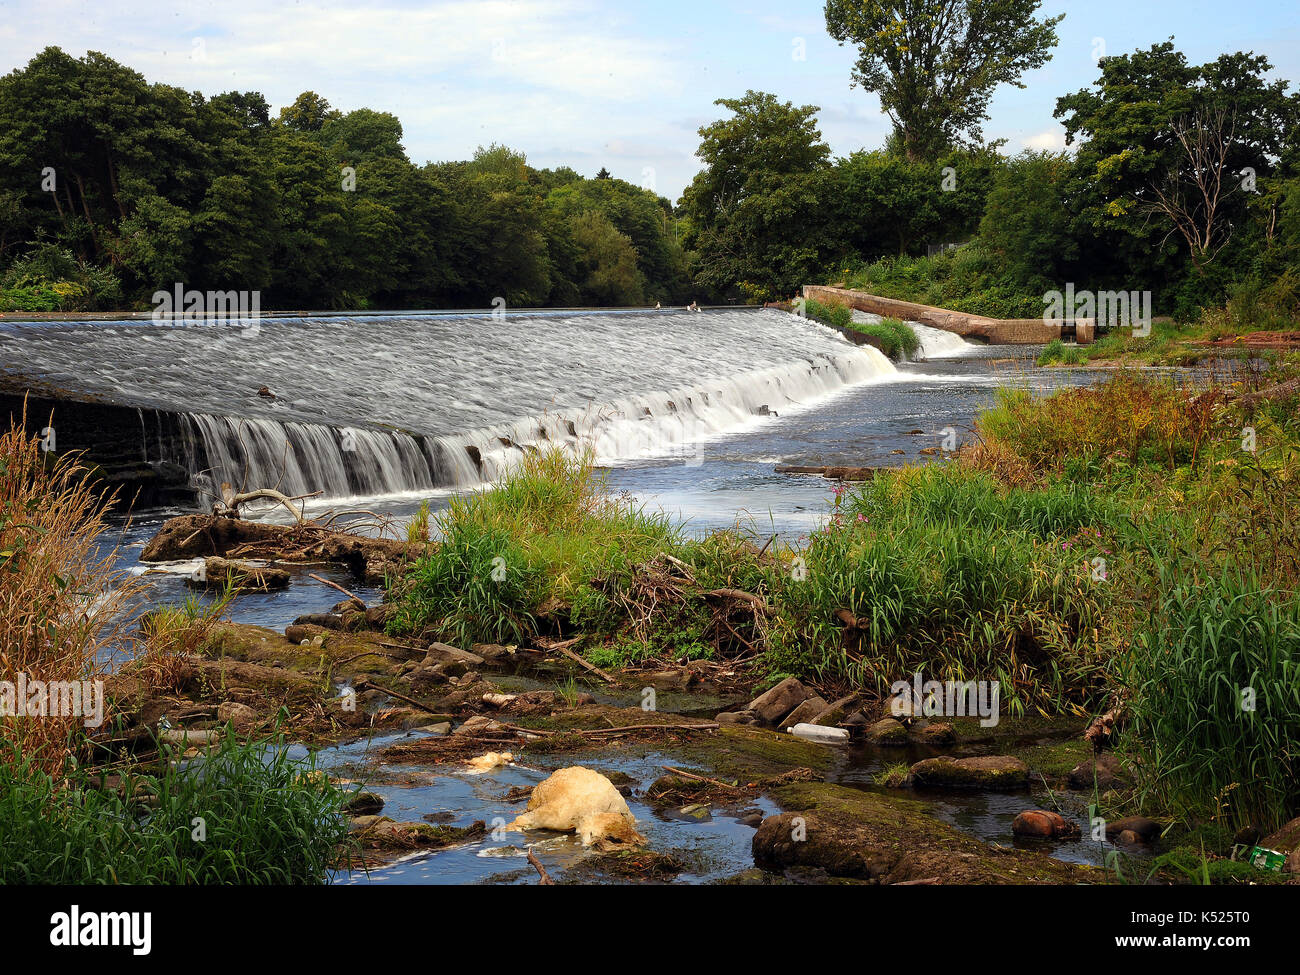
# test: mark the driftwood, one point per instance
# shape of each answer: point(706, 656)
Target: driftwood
point(335, 585)
point(698, 778)
point(544, 879)
point(231, 500)
point(563, 648)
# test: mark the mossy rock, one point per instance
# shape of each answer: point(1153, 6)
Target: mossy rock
point(888, 731)
point(1001, 772)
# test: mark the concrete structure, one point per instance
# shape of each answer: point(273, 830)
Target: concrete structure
point(995, 331)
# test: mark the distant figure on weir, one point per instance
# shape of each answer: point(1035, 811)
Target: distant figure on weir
point(693, 306)
point(657, 306)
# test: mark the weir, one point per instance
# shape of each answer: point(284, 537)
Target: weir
point(385, 405)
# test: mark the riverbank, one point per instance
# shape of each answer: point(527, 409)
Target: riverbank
point(1083, 541)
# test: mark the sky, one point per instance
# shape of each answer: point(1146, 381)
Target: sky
point(624, 85)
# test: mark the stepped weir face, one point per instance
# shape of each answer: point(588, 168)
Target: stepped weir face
point(388, 404)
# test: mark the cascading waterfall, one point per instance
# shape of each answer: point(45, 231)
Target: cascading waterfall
point(385, 405)
point(300, 458)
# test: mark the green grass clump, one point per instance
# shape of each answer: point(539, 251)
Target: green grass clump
point(897, 339)
point(948, 574)
point(1215, 698)
point(545, 533)
point(829, 313)
point(266, 820)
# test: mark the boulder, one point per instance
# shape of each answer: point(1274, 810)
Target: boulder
point(1043, 824)
point(936, 734)
point(773, 705)
point(241, 716)
point(806, 711)
point(835, 712)
point(1139, 829)
point(1285, 840)
point(887, 731)
point(801, 839)
point(476, 725)
point(443, 653)
point(491, 651)
point(985, 772)
point(363, 804)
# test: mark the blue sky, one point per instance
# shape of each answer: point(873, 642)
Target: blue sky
point(588, 84)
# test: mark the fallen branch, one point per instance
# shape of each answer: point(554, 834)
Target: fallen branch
point(400, 697)
point(698, 778)
point(335, 585)
point(544, 878)
point(748, 597)
point(564, 649)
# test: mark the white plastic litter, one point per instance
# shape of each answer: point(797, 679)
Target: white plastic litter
point(817, 732)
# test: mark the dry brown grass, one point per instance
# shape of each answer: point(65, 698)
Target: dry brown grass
point(64, 602)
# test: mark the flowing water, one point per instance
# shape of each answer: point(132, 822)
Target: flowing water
point(382, 405)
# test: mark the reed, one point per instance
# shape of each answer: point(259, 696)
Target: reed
point(64, 604)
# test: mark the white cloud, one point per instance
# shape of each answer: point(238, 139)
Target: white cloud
point(1053, 140)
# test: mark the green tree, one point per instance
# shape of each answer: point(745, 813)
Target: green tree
point(1134, 128)
point(936, 63)
point(1027, 224)
point(755, 212)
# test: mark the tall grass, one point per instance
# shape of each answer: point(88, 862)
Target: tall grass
point(947, 573)
point(246, 814)
point(1214, 682)
point(543, 533)
point(63, 600)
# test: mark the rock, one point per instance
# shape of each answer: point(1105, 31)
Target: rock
point(736, 717)
point(986, 771)
point(773, 705)
point(1103, 773)
point(476, 725)
point(491, 651)
point(441, 728)
point(887, 731)
point(240, 715)
point(1139, 829)
point(936, 734)
point(669, 680)
point(1285, 840)
point(857, 724)
point(806, 711)
point(1043, 824)
point(362, 824)
point(442, 653)
point(218, 573)
point(404, 718)
point(836, 712)
point(802, 839)
point(363, 804)
point(305, 632)
point(327, 621)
